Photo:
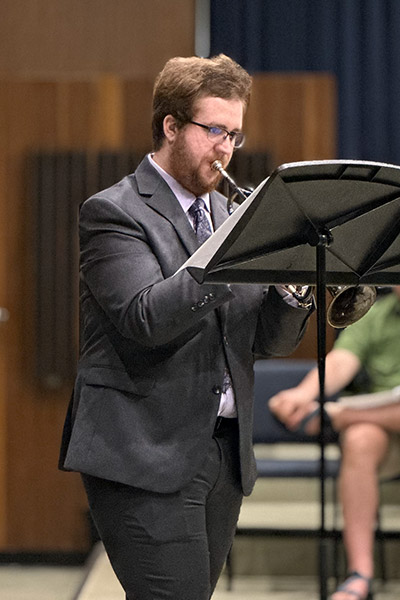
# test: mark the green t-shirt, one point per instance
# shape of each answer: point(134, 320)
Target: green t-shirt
point(375, 340)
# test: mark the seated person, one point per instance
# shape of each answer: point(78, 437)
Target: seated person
point(369, 432)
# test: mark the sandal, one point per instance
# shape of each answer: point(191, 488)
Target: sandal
point(352, 577)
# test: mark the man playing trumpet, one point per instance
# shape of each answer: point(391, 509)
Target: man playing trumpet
point(160, 424)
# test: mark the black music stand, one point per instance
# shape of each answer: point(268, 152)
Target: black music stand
point(322, 223)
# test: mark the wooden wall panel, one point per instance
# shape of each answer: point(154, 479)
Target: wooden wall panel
point(42, 509)
point(293, 115)
point(4, 331)
point(58, 60)
point(125, 37)
point(45, 509)
point(72, 126)
point(138, 98)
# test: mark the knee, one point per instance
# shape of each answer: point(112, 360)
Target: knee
point(364, 443)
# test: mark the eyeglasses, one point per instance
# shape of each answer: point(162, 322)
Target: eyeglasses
point(219, 134)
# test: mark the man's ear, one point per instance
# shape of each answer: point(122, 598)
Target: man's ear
point(170, 128)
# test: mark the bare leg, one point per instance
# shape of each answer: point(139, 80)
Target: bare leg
point(363, 449)
point(342, 417)
point(365, 441)
point(387, 417)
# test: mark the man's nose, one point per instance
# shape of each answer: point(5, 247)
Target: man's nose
point(225, 145)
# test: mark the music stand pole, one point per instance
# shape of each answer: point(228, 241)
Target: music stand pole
point(324, 241)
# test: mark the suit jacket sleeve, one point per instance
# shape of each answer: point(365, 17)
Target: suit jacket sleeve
point(139, 299)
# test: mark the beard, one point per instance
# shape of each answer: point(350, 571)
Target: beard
point(187, 170)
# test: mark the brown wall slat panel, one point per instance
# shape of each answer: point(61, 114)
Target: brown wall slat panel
point(60, 183)
point(60, 186)
point(41, 508)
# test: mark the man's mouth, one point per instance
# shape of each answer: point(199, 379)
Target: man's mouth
point(218, 163)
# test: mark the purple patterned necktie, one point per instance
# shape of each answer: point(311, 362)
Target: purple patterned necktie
point(201, 223)
point(203, 231)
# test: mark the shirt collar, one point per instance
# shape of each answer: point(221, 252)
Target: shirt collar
point(184, 197)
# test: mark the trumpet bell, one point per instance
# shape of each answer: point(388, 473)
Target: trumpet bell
point(349, 304)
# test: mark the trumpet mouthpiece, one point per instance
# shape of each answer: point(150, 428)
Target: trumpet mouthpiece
point(216, 165)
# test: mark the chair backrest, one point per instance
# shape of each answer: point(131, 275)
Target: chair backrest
point(272, 376)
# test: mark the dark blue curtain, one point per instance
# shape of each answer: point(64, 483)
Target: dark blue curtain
point(357, 40)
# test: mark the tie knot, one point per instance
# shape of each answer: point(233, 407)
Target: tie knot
point(201, 223)
point(198, 205)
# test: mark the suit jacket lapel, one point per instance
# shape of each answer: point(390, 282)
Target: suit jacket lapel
point(157, 194)
point(219, 212)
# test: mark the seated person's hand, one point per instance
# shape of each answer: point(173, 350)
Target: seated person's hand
point(290, 406)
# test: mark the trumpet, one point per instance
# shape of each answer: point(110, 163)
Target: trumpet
point(349, 302)
point(241, 192)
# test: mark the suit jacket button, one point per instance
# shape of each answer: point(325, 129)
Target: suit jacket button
point(216, 389)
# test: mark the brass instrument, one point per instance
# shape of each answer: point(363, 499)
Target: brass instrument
point(349, 302)
point(241, 192)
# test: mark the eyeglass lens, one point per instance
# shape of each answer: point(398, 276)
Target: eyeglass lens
point(214, 133)
point(236, 137)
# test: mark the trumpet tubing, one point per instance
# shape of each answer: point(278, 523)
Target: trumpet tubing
point(217, 166)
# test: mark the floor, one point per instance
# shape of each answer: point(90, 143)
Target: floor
point(39, 583)
point(99, 583)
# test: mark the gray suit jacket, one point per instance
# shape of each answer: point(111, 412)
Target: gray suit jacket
point(153, 344)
